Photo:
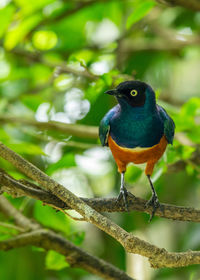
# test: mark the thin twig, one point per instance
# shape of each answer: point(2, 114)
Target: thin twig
point(60, 67)
point(10, 211)
point(11, 226)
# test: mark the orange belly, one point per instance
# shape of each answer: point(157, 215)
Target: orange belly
point(150, 155)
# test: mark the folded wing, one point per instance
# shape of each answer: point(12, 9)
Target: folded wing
point(104, 127)
point(169, 125)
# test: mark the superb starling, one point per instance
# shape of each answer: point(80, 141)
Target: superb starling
point(136, 130)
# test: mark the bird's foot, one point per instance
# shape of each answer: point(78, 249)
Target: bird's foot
point(154, 202)
point(124, 194)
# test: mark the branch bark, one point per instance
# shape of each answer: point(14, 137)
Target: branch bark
point(24, 188)
point(20, 220)
point(75, 256)
point(130, 46)
point(82, 131)
point(50, 240)
point(158, 257)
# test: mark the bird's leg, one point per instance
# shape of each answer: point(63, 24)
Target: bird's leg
point(123, 192)
point(154, 202)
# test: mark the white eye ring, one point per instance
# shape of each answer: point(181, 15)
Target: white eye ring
point(133, 92)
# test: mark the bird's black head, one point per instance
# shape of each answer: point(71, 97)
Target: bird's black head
point(133, 92)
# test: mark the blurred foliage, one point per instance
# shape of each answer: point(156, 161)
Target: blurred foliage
point(57, 58)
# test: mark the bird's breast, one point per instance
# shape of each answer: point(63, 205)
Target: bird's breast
point(139, 154)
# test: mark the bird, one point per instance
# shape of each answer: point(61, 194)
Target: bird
point(137, 130)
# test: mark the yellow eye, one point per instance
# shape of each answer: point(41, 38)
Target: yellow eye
point(133, 92)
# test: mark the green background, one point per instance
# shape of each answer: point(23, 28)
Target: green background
point(57, 58)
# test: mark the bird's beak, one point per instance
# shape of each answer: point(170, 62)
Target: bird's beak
point(112, 92)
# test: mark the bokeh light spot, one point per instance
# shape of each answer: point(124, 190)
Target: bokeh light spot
point(45, 40)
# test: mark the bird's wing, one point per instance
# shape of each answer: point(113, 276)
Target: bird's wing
point(169, 125)
point(104, 127)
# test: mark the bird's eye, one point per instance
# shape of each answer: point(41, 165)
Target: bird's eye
point(133, 92)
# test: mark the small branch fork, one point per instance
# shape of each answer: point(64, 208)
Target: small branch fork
point(38, 236)
point(18, 188)
point(158, 257)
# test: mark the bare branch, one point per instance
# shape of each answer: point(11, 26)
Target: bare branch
point(75, 256)
point(11, 226)
point(83, 131)
point(131, 46)
point(158, 257)
point(24, 188)
point(10, 211)
point(50, 240)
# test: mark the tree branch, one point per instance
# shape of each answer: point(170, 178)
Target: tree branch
point(191, 4)
point(158, 257)
point(171, 45)
point(75, 256)
point(82, 131)
point(19, 219)
point(86, 131)
point(11, 226)
point(60, 67)
point(50, 240)
point(24, 188)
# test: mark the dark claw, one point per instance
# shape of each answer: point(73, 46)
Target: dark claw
point(154, 202)
point(123, 194)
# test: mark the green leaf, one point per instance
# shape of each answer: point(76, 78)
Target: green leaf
point(26, 148)
point(40, 74)
point(31, 6)
point(77, 237)
point(4, 235)
point(7, 231)
point(107, 77)
point(32, 101)
point(191, 108)
point(187, 152)
point(67, 160)
point(4, 137)
point(94, 90)
point(139, 12)
point(6, 16)
point(173, 154)
point(55, 261)
point(190, 169)
point(20, 30)
point(48, 217)
point(132, 174)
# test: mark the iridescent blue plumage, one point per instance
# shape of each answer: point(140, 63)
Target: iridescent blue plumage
point(137, 130)
point(141, 126)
